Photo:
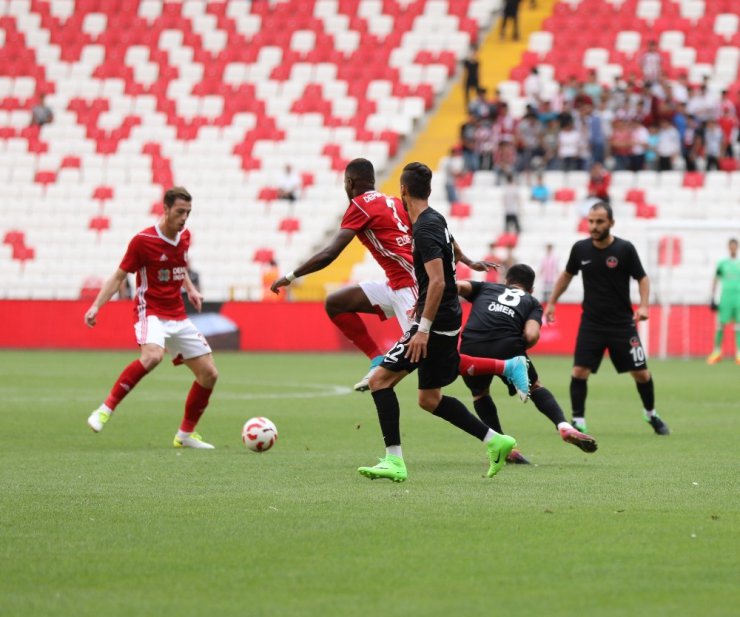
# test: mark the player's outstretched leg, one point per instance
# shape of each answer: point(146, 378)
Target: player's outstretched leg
point(515, 370)
point(390, 468)
point(654, 420)
point(206, 375)
point(577, 438)
point(126, 382)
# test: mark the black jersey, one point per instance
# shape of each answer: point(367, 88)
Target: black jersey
point(606, 280)
point(499, 312)
point(432, 240)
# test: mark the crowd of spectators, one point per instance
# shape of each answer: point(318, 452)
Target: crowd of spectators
point(646, 121)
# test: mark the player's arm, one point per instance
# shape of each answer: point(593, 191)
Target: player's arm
point(531, 333)
point(110, 287)
point(195, 297)
point(464, 289)
point(417, 348)
point(319, 261)
point(643, 311)
point(558, 290)
point(478, 266)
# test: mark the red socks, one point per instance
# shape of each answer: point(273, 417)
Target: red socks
point(195, 405)
point(355, 330)
point(130, 376)
point(471, 366)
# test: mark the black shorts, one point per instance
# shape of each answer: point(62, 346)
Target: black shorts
point(439, 369)
point(622, 342)
point(503, 349)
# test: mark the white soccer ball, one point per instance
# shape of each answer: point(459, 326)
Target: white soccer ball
point(259, 434)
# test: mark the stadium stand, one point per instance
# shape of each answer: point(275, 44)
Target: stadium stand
point(218, 96)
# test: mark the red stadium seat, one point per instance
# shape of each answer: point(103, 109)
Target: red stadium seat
point(565, 195)
point(693, 179)
point(636, 196)
point(669, 251)
point(263, 256)
point(460, 210)
point(99, 223)
point(507, 240)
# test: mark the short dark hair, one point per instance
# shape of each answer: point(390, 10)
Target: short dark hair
point(521, 274)
point(417, 178)
point(360, 169)
point(602, 205)
point(175, 193)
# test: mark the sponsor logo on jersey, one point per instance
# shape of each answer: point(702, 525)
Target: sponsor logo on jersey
point(403, 240)
point(163, 275)
point(163, 257)
point(585, 262)
point(612, 262)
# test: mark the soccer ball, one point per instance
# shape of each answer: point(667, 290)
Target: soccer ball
point(259, 434)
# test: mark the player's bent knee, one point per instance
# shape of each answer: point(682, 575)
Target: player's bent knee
point(642, 376)
point(150, 359)
point(429, 401)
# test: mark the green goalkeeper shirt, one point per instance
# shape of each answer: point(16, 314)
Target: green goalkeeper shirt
point(728, 272)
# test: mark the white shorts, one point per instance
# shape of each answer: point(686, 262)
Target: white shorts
point(398, 302)
point(179, 337)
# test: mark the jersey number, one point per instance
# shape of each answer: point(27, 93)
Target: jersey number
point(511, 297)
point(638, 355)
point(393, 354)
point(399, 223)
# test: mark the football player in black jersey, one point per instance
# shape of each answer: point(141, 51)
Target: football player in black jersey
point(504, 322)
point(608, 322)
point(431, 344)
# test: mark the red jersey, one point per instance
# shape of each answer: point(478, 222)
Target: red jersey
point(383, 226)
point(160, 265)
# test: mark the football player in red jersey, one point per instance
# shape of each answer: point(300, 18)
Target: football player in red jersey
point(158, 256)
point(382, 224)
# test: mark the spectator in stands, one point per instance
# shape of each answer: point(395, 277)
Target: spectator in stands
point(651, 63)
point(680, 89)
point(550, 141)
point(692, 144)
point(569, 147)
point(289, 184)
point(528, 141)
point(479, 107)
point(505, 158)
point(621, 142)
point(512, 202)
point(669, 145)
point(595, 134)
point(471, 66)
point(484, 144)
point(570, 90)
point(640, 137)
point(454, 169)
point(599, 180)
point(41, 113)
point(728, 122)
point(532, 87)
point(713, 144)
point(540, 193)
point(593, 89)
point(467, 142)
point(548, 274)
point(511, 13)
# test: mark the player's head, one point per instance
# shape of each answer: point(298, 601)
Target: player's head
point(177, 206)
point(359, 177)
point(600, 220)
point(416, 182)
point(732, 245)
point(522, 276)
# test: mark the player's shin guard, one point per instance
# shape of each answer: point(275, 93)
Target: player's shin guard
point(471, 365)
point(547, 405)
point(456, 413)
point(130, 376)
point(195, 405)
point(354, 329)
point(647, 394)
point(578, 391)
point(487, 412)
point(389, 412)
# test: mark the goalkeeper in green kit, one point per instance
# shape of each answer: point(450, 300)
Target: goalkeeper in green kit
point(728, 274)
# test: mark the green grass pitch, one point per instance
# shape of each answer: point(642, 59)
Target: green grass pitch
point(121, 523)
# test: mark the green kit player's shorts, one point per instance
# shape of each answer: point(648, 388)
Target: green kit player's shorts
point(729, 309)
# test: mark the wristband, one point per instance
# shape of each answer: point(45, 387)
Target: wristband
point(425, 325)
point(290, 277)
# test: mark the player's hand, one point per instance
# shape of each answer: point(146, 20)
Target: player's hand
point(550, 313)
point(417, 347)
point(276, 285)
point(713, 306)
point(90, 316)
point(483, 266)
point(641, 314)
point(196, 299)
